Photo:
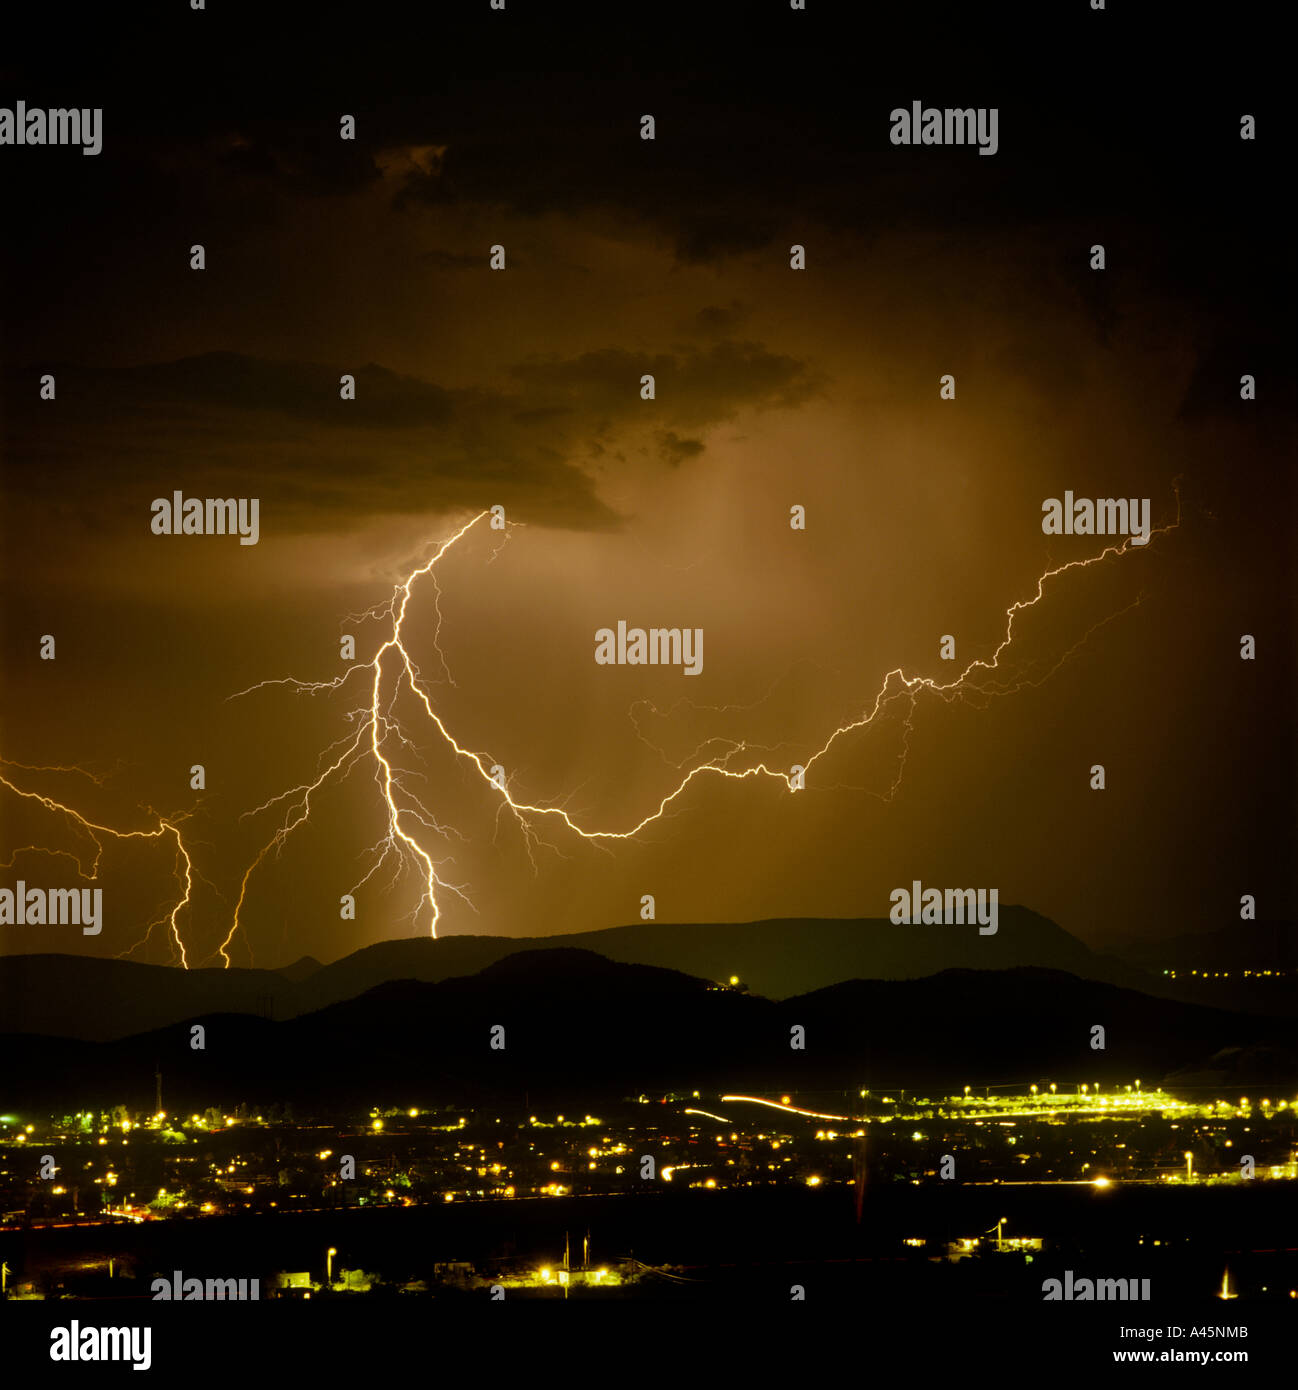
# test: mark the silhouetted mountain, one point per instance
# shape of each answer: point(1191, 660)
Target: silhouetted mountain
point(74, 996)
point(1239, 946)
point(1025, 1025)
point(91, 998)
point(1246, 965)
point(1235, 1068)
point(299, 970)
point(570, 1026)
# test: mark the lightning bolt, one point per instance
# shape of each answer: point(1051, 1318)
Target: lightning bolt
point(88, 830)
point(376, 735)
point(392, 672)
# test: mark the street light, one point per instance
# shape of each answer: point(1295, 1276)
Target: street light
point(329, 1274)
point(999, 1242)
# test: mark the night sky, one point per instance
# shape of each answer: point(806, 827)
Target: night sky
point(775, 387)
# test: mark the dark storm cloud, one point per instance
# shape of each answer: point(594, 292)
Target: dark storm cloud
point(768, 120)
point(455, 260)
point(403, 444)
point(695, 388)
point(717, 320)
point(1215, 385)
point(772, 128)
point(699, 187)
point(676, 450)
point(295, 158)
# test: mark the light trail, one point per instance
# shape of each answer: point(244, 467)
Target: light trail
point(788, 1109)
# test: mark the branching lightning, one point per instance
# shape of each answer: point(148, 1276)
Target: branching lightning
point(377, 739)
point(92, 831)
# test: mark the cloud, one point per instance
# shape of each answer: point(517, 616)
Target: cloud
point(230, 424)
point(676, 450)
point(694, 388)
point(455, 260)
point(719, 320)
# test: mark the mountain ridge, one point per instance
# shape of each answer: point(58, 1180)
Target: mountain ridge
point(576, 1027)
point(99, 999)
